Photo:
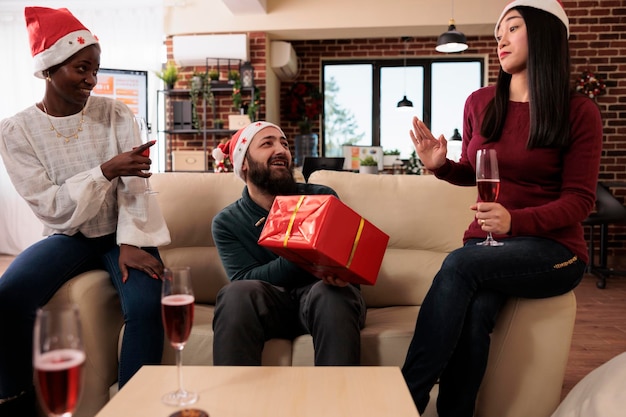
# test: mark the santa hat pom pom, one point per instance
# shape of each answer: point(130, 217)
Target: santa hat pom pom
point(218, 154)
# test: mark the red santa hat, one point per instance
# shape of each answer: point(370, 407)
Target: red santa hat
point(554, 7)
point(237, 146)
point(55, 35)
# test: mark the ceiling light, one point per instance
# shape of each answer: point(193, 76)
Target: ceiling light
point(405, 103)
point(452, 40)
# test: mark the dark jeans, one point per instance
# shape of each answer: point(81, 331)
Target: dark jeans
point(39, 271)
point(247, 313)
point(451, 340)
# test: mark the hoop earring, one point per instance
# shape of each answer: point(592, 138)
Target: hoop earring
point(47, 75)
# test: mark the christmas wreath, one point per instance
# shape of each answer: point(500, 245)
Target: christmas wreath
point(590, 85)
point(303, 104)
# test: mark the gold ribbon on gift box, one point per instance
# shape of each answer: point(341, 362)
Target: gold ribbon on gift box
point(292, 220)
point(356, 242)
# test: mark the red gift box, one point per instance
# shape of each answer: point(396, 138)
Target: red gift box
point(325, 237)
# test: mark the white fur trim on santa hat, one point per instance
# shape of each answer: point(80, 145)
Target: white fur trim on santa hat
point(241, 141)
point(218, 154)
point(54, 35)
point(554, 7)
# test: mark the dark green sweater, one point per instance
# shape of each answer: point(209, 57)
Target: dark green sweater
point(236, 235)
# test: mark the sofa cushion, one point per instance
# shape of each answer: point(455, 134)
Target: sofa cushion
point(207, 272)
point(189, 201)
point(404, 278)
point(428, 218)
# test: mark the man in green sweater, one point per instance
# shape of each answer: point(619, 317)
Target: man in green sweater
point(269, 296)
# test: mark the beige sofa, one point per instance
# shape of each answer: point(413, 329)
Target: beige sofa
point(424, 218)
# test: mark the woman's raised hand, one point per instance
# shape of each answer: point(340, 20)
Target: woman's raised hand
point(432, 152)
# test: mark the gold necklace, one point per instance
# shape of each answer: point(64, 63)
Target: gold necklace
point(61, 135)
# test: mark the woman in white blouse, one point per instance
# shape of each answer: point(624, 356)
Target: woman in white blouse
point(76, 161)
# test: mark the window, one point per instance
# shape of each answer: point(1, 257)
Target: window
point(360, 100)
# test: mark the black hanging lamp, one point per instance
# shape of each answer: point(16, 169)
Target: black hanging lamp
point(451, 41)
point(405, 103)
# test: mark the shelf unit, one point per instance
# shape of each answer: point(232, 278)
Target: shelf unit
point(165, 126)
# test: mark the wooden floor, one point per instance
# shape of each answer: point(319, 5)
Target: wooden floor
point(599, 332)
point(600, 329)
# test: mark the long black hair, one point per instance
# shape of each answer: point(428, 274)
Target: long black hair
point(549, 84)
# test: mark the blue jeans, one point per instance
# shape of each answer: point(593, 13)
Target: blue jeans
point(39, 271)
point(452, 333)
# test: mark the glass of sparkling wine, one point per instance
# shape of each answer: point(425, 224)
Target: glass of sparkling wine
point(58, 358)
point(177, 307)
point(141, 129)
point(488, 183)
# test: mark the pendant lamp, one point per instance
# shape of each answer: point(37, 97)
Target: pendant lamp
point(452, 40)
point(405, 103)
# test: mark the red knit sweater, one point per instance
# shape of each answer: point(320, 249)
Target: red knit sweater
point(548, 191)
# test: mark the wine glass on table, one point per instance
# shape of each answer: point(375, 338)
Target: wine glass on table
point(58, 358)
point(177, 307)
point(488, 183)
point(141, 129)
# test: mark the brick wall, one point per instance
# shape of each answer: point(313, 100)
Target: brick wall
point(597, 44)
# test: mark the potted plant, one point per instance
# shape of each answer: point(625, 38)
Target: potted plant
point(233, 75)
point(218, 124)
point(368, 165)
point(390, 156)
point(169, 75)
point(199, 86)
point(214, 75)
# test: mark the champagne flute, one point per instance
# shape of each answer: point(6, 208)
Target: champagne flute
point(488, 183)
point(177, 307)
point(141, 128)
point(58, 358)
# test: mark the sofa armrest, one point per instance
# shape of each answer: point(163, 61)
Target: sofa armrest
point(528, 357)
point(101, 318)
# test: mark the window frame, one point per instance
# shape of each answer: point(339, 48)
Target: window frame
point(379, 63)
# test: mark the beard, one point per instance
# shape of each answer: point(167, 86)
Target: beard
point(273, 182)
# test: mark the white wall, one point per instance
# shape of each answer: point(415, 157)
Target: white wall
point(131, 35)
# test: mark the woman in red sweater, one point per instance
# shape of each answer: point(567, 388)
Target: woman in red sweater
point(548, 140)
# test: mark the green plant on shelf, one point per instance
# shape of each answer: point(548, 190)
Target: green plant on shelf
point(251, 107)
point(214, 75)
point(169, 74)
point(233, 76)
point(369, 161)
point(200, 87)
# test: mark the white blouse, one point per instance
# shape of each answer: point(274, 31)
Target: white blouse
point(61, 179)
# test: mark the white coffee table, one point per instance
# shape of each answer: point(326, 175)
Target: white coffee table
point(282, 391)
